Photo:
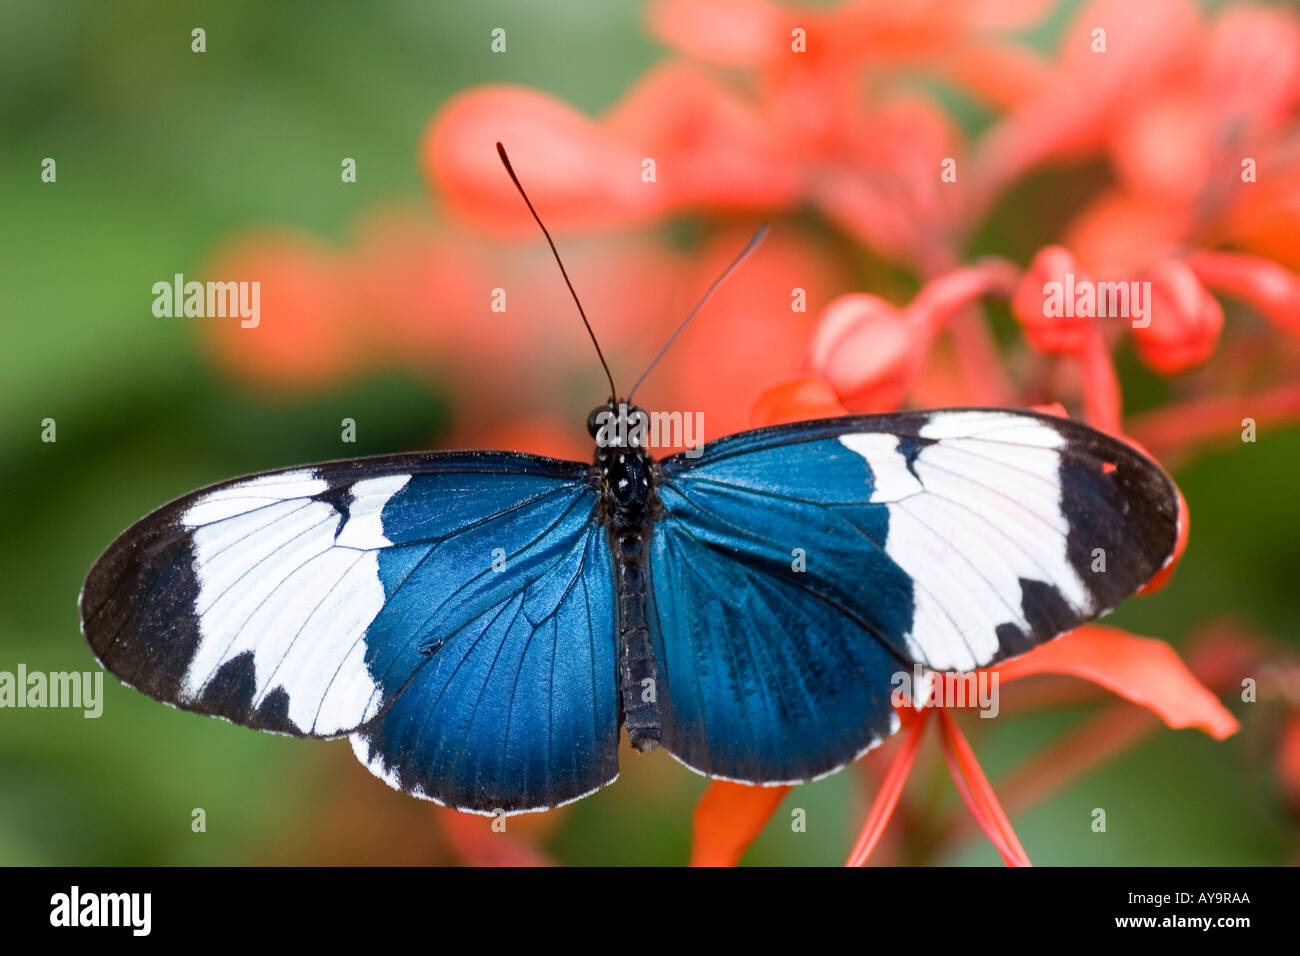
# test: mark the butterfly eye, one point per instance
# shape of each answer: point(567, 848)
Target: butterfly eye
point(598, 417)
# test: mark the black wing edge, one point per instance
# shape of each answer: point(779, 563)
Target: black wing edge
point(902, 423)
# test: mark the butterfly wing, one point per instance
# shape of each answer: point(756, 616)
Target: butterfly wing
point(795, 569)
point(454, 613)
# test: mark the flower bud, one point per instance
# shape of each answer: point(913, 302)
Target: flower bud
point(1184, 319)
point(867, 350)
point(1045, 303)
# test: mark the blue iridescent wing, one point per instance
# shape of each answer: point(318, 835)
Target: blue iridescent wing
point(796, 569)
point(453, 613)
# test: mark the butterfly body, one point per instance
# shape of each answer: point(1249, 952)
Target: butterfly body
point(629, 507)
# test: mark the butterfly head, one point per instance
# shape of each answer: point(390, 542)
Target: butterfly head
point(619, 425)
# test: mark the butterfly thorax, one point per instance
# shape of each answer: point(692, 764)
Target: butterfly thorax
point(628, 508)
point(626, 470)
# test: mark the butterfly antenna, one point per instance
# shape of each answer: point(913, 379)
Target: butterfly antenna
point(505, 160)
point(759, 234)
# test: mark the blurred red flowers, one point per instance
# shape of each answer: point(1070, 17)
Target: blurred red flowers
point(1182, 129)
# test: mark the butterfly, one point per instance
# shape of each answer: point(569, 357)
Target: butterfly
point(481, 625)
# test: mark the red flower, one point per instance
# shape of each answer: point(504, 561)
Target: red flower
point(707, 147)
point(959, 40)
point(1181, 327)
point(870, 353)
point(1180, 108)
point(801, 131)
point(478, 317)
point(303, 337)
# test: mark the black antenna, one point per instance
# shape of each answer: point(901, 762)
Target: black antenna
point(759, 234)
point(501, 151)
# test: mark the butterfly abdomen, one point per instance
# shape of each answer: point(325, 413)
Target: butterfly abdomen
point(636, 661)
point(629, 507)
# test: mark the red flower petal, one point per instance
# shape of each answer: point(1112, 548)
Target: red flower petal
point(1101, 394)
point(576, 174)
point(304, 337)
point(1146, 671)
point(867, 350)
point(1000, 75)
point(477, 844)
point(1052, 408)
point(977, 792)
point(946, 296)
point(1146, 42)
point(877, 179)
point(891, 788)
point(1265, 218)
point(728, 818)
point(711, 148)
point(1118, 233)
point(1164, 149)
point(1264, 285)
point(1288, 761)
point(1175, 426)
point(535, 434)
point(726, 32)
point(799, 399)
point(1252, 65)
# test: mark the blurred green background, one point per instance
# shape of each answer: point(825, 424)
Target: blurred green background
point(163, 155)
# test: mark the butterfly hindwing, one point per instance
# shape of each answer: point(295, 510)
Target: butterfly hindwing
point(759, 680)
point(796, 568)
point(517, 707)
point(452, 612)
